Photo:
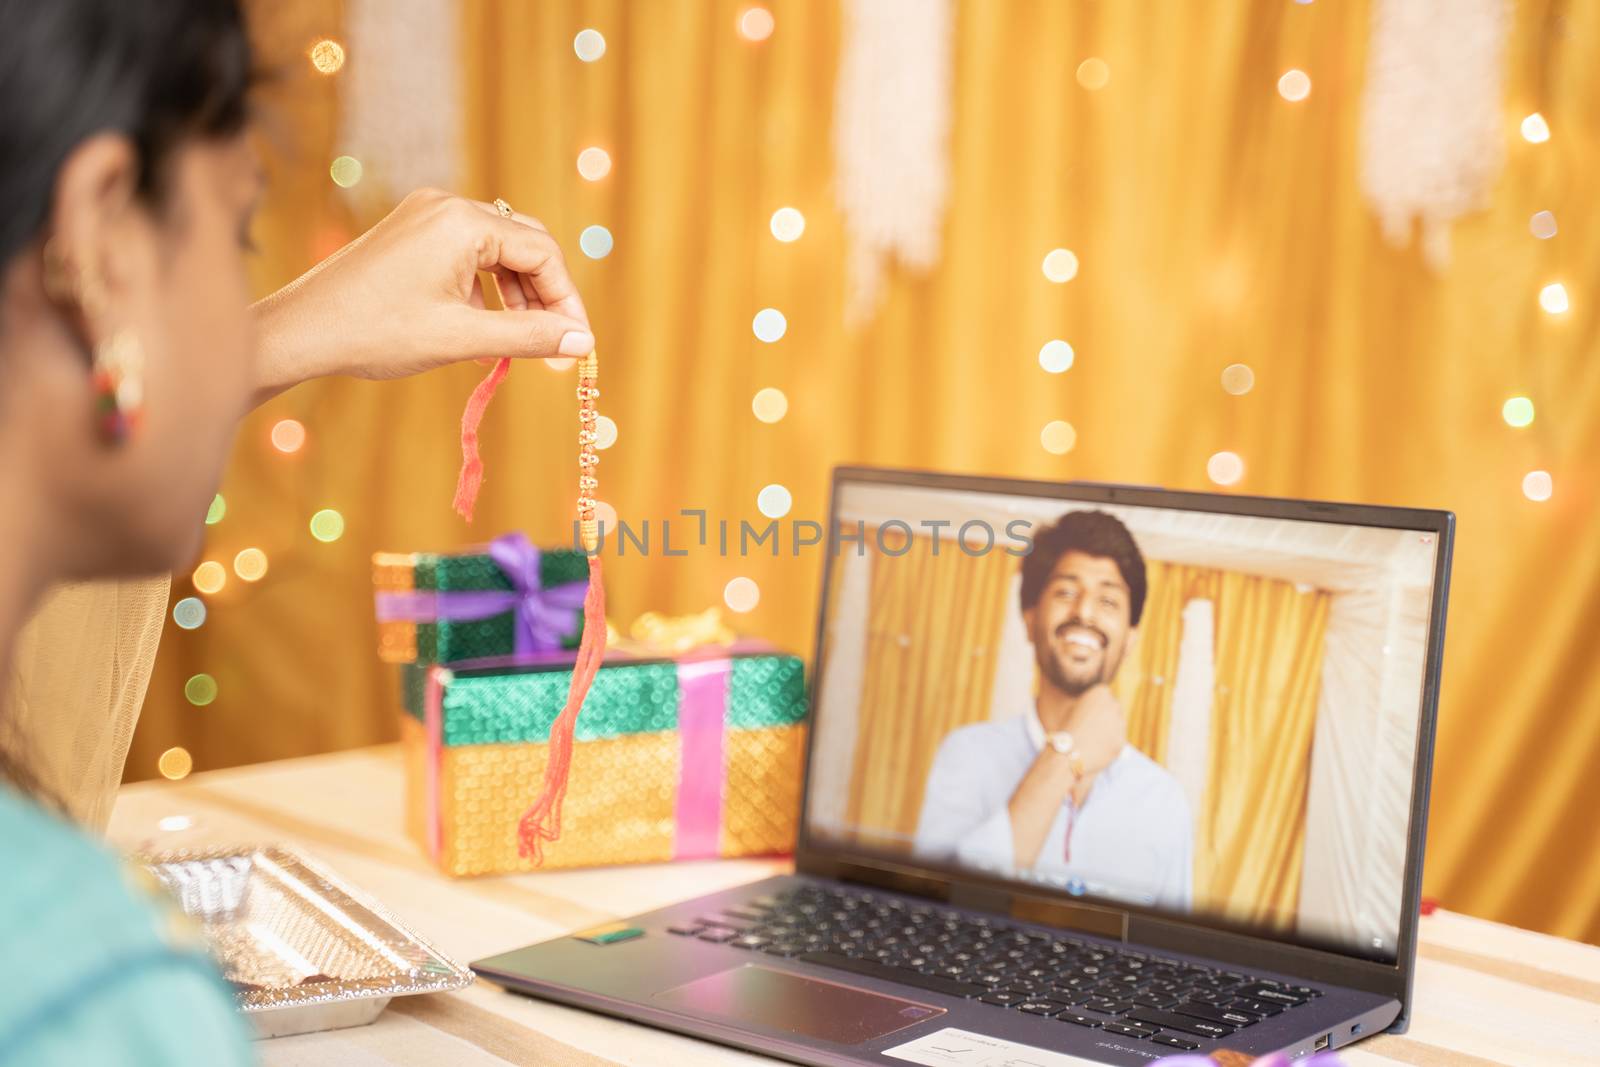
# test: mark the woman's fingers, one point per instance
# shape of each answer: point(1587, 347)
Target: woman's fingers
point(517, 246)
point(529, 333)
point(513, 293)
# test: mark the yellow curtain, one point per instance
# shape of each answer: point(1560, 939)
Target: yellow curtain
point(1250, 851)
point(1144, 684)
point(1214, 223)
point(933, 633)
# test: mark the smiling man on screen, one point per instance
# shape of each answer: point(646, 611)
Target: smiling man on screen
point(1057, 790)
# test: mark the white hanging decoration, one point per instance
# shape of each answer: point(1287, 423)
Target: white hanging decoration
point(891, 133)
point(400, 94)
point(1432, 141)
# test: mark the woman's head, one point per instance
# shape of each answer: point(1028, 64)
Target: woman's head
point(126, 185)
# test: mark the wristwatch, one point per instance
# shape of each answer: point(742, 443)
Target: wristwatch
point(1062, 741)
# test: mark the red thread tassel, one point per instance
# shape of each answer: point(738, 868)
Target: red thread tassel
point(470, 480)
point(542, 822)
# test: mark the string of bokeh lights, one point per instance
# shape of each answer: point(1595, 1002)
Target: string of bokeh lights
point(770, 404)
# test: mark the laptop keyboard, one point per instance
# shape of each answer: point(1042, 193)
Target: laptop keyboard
point(1173, 1003)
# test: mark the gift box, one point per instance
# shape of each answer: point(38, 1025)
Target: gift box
point(687, 757)
point(505, 598)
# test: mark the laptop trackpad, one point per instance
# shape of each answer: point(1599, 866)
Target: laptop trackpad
point(777, 1000)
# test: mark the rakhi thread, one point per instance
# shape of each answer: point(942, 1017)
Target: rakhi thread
point(541, 823)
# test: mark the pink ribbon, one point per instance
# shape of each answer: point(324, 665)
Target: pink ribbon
point(702, 707)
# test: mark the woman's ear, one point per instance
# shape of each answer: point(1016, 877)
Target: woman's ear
point(93, 224)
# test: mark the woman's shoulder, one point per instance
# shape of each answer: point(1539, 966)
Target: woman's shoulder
point(98, 966)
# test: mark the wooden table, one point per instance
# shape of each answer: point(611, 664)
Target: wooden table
point(1487, 994)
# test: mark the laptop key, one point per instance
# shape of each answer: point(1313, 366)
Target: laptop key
point(1128, 1029)
point(686, 930)
point(1271, 994)
point(1005, 998)
point(1175, 1041)
point(1255, 1007)
point(1041, 1007)
point(1078, 1017)
point(719, 936)
point(1166, 1020)
point(1214, 1014)
point(874, 969)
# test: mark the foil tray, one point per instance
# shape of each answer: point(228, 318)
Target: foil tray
point(303, 950)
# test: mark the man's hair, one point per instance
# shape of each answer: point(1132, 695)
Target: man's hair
point(1094, 533)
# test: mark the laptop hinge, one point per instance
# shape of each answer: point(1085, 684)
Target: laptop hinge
point(1086, 918)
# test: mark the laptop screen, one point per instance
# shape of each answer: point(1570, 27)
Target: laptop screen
point(1209, 715)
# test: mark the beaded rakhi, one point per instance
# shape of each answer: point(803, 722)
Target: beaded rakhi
point(542, 821)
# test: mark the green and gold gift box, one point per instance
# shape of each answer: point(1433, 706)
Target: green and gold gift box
point(504, 598)
point(691, 757)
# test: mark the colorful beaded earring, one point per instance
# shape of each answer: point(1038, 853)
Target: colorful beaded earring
point(117, 365)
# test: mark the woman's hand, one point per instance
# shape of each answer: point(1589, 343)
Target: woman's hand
point(404, 297)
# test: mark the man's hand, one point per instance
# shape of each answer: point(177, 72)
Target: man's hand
point(404, 297)
point(1099, 729)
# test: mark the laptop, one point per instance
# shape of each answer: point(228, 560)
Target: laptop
point(1096, 774)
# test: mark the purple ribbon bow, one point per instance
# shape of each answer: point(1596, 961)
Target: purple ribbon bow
point(543, 616)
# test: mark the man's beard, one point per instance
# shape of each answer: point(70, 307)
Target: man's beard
point(1074, 682)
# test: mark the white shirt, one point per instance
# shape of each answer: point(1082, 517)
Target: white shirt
point(1132, 838)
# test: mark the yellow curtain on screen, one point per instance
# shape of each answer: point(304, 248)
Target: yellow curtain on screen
point(1250, 851)
point(1213, 221)
point(1144, 685)
point(933, 632)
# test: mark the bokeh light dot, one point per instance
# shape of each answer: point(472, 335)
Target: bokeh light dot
point(218, 509)
point(210, 577)
point(1553, 298)
point(288, 435)
point(770, 325)
point(594, 163)
point(327, 55)
point(1542, 225)
point(741, 594)
point(774, 501)
point(1535, 130)
point(345, 171)
point(189, 613)
point(605, 431)
point(756, 24)
point(1056, 356)
point(770, 404)
point(174, 823)
point(250, 564)
point(1060, 265)
point(1094, 73)
point(606, 514)
point(589, 44)
point(788, 224)
point(175, 763)
point(559, 363)
point(1238, 379)
point(1225, 468)
point(327, 525)
point(1058, 437)
point(1294, 86)
point(200, 690)
point(1538, 486)
point(595, 241)
point(1517, 411)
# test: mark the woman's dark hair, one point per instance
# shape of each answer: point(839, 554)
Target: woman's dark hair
point(1094, 533)
point(162, 72)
